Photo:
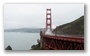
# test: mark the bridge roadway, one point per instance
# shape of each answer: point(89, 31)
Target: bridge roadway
point(54, 42)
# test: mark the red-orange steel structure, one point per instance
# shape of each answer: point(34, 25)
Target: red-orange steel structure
point(55, 42)
point(62, 42)
point(48, 19)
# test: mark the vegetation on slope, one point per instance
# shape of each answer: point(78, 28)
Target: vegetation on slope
point(73, 28)
point(36, 47)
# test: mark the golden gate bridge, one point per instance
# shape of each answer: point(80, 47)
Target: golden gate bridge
point(52, 41)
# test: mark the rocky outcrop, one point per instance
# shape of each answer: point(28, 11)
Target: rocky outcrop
point(8, 48)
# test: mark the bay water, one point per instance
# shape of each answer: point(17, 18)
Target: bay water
point(20, 40)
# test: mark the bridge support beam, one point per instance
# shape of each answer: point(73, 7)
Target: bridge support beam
point(54, 44)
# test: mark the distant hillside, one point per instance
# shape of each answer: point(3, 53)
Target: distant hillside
point(73, 28)
point(30, 30)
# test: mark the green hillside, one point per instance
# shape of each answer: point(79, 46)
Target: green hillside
point(73, 28)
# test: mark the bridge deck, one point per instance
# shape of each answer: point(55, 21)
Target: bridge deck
point(66, 38)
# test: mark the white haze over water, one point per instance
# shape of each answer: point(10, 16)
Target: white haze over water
point(34, 15)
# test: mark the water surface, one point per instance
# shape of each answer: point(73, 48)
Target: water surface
point(19, 40)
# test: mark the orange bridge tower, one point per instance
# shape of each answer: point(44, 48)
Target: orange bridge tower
point(48, 20)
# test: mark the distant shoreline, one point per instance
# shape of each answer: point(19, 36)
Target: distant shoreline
point(23, 32)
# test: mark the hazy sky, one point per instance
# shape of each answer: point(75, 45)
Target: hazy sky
point(34, 15)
